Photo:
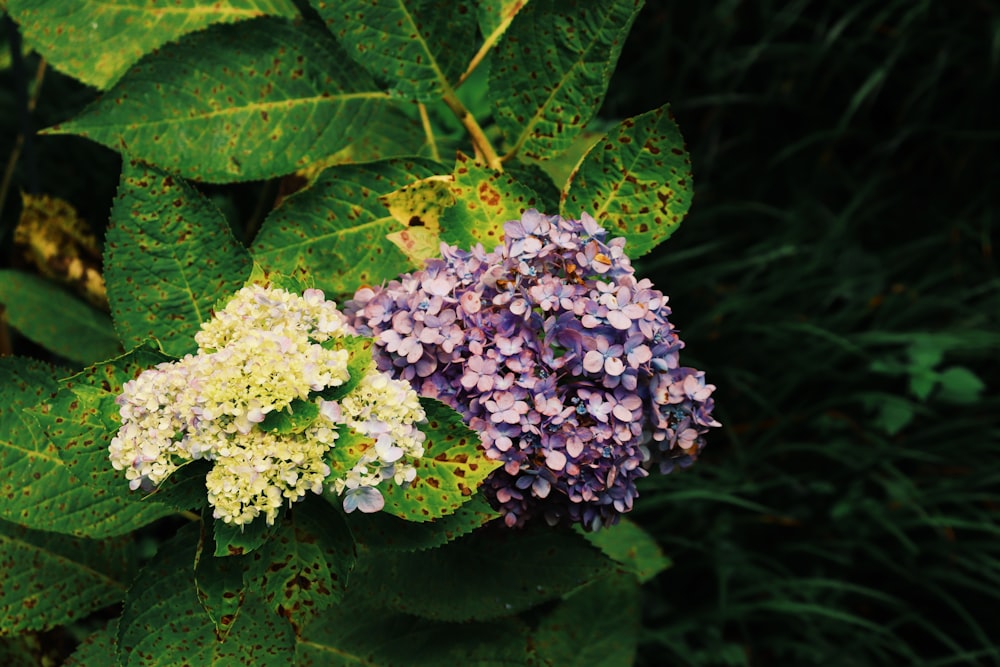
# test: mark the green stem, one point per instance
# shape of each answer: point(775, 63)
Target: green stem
point(428, 131)
point(468, 121)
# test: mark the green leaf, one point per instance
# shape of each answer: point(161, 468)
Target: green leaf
point(491, 573)
point(573, 635)
point(392, 131)
point(358, 634)
point(65, 31)
point(295, 418)
point(551, 69)
point(302, 572)
point(636, 181)
point(219, 584)
point(495, 15)
point(184, 489)
point(97, 650)
point(960, 385)
point(358, 364)
point(335, 230)
point(484, 201)
point(382, 530)
point(233, 540)
point(448, 474)
point(537, 179)
point(169, 257)
point(79, 492)
point(58, 321)
point(630, 545)
point(235, 102)
point(164, 624)
point(39, 489)
point(49, 579)
point(418, 47)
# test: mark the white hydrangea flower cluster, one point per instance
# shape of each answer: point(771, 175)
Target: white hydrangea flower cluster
point(387, 410)
point(267, 349)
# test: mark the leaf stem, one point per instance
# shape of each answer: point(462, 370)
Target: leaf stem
point(468, 121)
point(428, 131)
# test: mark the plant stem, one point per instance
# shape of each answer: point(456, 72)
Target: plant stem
point(479, 140)
point(428, 131)
point(489, 41)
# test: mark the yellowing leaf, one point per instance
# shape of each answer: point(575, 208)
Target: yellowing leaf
point(61, 245)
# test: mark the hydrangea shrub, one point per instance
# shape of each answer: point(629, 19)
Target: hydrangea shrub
point(450, 451)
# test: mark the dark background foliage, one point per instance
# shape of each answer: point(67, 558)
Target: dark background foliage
point(836, 280)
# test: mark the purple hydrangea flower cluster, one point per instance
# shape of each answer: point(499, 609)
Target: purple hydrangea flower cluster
point(557, 355)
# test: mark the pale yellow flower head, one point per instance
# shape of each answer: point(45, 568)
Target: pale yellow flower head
point(267, 351)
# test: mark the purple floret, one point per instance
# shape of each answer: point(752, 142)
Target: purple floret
point(551, 349)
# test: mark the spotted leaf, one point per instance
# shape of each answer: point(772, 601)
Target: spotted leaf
point(65, 31)
point(448, 474)
point(551, 69)
point(335, 230)
point(418, 47)
point(219, 583)
point(484, 201)
point(84, 495)
point(254, 100)
point(39, 486)
point(169, 257)
point(636, 181)
point(303, 571)
point(97, 649)
point(163, 622)
point(48, 579)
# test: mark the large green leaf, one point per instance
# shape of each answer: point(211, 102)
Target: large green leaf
point(356, 634)
point(219, 584)
point(97, 650)
point(38, 488)
point(484, 201)
point(57, 320)
point(65, 32)
point(336, 228)
point(418, 47)
point(491, 573)
point(551, 69)
point(572, 635)
point(169, 257)
point(302, 572)
point(636, 181)
point(84, 494)
point(48, 579)
point(253, 100)
point(163, 623)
